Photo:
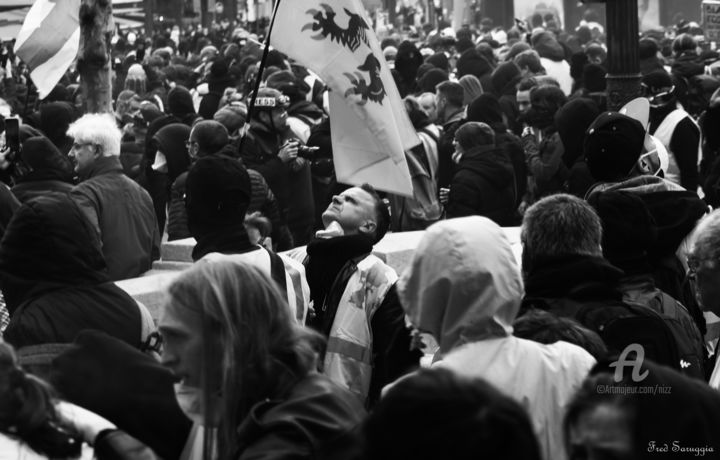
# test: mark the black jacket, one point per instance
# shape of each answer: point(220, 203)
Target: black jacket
point(483, 185)
point(55, 281)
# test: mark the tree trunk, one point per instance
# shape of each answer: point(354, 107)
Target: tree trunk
point(96, 29)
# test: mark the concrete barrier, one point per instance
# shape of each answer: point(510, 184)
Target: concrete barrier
point(396, 249)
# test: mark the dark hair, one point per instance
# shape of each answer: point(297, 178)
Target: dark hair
point(27, 410)
point(452, 91)
point(527, 83)
point(683, 42)
point(544, 327)
point(210, 135)
point(529, 59)
point(382, 213)
point(439, 414)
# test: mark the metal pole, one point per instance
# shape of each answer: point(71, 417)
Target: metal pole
point(623, 79)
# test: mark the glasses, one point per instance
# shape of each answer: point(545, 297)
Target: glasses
point(79, 145)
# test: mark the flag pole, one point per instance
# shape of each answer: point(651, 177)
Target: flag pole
point(261, 69)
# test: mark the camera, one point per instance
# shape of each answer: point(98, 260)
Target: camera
point(307, 152)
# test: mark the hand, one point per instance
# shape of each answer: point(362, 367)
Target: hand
point(81, 421)
point(5, 160)
point(443, 195)
point(288, 152)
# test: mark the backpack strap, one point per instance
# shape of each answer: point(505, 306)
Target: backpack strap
point(277, 271)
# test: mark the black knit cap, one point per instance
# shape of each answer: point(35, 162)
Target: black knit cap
point(613, 144)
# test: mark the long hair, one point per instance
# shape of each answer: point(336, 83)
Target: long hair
point(27, 410)
point(253, 349)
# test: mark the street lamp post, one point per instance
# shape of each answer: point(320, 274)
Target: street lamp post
point(623, 78)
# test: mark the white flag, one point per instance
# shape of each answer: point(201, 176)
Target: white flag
point(48, 41)
point(370, 126)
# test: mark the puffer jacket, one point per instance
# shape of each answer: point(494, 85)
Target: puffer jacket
point(55, 281)
point(483, 185)
point(122, 213)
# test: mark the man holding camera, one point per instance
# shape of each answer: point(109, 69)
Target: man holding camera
point(271, 149)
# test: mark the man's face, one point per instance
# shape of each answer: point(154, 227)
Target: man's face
point(354, 210)
point(440, 104)
point(279, 118)
point(602, 433)
point(523, 101)
point(192, 145)
point(429, 106)
point(706, 278)
point(83, 155)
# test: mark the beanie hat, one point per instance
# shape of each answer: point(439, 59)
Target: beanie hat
point(505, 77)
point(218, 192)
point(208, 52)
point(657, 80)
point(471, 62)
point(233, 116)
point(39, 153)
point(439, 60)
point(613, 145)
point(471, 88)
point(431, 79)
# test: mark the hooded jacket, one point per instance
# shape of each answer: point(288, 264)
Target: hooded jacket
point(572, 120)
point(464, 287)
point(122, 214)
point(483, 185)
point(55, 281)
point(51, 171)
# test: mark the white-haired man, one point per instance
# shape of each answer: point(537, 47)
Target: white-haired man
point(120, 210)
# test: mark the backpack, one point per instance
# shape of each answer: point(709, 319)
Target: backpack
point(686, 334)
point(619, 324)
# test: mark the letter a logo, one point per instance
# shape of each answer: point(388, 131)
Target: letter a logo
point(636, 363)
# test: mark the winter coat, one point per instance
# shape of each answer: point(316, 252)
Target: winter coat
point(464, 287)
point(40, 183)
point(122, 214)
point(261, 199)
point(55, 281)
point(545, 165)
point(290, 182)
point(483, 185)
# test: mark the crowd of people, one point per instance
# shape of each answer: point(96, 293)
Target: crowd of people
point(287, 338)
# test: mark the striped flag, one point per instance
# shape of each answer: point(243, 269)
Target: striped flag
point(48, 41)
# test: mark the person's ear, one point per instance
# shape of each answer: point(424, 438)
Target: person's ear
point(368, 227)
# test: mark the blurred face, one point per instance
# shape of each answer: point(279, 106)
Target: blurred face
point(705, 277)
point(183, 354)
point(523, 101)
point(353, 209)
point(182, 343)
point(602, 433)
point(428, 104)
point(276, 118)
point(83, 155)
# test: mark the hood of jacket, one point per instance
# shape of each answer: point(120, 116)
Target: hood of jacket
point(491, 163)
point(675, 210)
point(504, 78)
point(572, 120)
point(548, 47)
point(170, 140)
point(463, 284)
point(49, 242)
point(180, 102)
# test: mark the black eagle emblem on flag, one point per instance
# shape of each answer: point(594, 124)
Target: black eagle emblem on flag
point(373, 91)
point(352, 36)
